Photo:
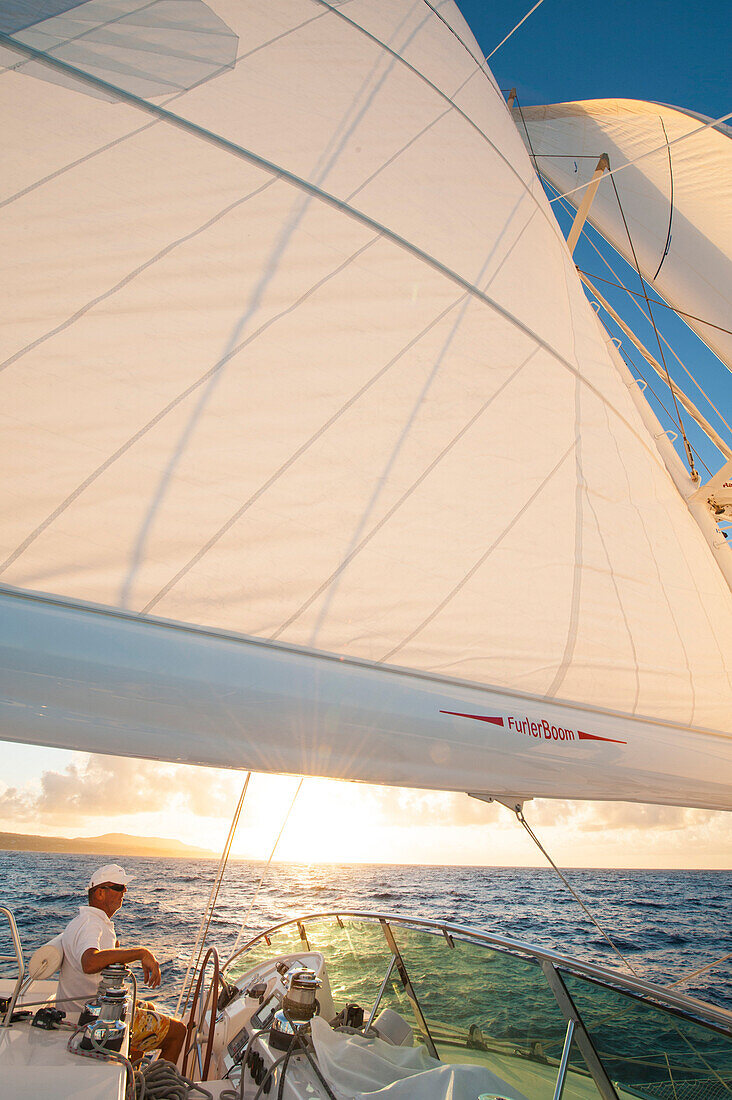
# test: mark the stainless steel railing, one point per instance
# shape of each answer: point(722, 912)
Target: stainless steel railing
point(664, 996)
point(18, 960)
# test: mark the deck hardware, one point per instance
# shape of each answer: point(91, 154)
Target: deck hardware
point(339, 921)
point(303, 934)
point(569, 1011)
point(450, 941)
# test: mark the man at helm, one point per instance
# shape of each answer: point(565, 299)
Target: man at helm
point(89, 943)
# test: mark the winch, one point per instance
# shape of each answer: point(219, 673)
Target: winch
point(299, 1005)
point(105, 1017)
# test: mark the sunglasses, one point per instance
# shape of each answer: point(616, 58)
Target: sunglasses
point(114, 886)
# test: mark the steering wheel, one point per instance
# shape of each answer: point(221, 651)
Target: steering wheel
point(200, 1006)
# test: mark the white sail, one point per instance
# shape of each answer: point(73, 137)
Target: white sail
point(677, 201)
point(298, 351)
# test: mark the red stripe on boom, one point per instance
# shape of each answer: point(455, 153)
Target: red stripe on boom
point(593, 737)
point(477, 717)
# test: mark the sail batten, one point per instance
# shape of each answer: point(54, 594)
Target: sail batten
point(677, 203)
point(341, 391)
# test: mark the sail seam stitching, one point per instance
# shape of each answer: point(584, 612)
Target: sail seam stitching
point(171, 99)
point(207, 376)
point(395, 507)
point(252, 499)
point(131, 275)
point(464, 298)
point(452, 106)
point(327, 199)
point(482, 559)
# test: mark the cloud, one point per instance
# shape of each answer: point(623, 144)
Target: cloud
point(195, 804)
point(400, 807)
point(593, 817)
point(103, 786)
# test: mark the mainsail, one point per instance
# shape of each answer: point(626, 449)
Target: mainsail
point(672, 205)
point(297, 354)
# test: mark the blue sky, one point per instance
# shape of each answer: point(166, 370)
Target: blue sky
point(664, 50)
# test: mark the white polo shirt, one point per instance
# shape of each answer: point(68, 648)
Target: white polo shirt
point(92, 928)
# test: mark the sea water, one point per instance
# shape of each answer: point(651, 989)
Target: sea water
point(666, 923)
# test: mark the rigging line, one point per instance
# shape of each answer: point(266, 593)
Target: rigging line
point(719, 442)
point(620, 284)
point(524, 823)
point(328, 199)
point(667, 245)
point(264, 872)
point(444, 96)
point(681, 363)
point(631, 363)
point(671, 1076)
point(640, 309)
point(212, 898)
point(566, 206)
point(689, 455)
point(701, 970)
point(649, 153)
point(164, 103)
point(528, 137)
point(480, 63)
point(657, 302)
point(520, 22)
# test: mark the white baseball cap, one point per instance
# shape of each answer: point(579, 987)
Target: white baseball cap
point(110, 872)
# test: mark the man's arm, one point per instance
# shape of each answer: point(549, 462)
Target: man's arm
point(92, 961)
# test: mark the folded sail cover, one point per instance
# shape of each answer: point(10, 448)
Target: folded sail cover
point(677, 198)
point(295, 349)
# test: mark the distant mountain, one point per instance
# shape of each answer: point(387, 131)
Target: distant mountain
point(110, 844)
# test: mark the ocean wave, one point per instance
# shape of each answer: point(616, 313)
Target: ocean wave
point(667, 922)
